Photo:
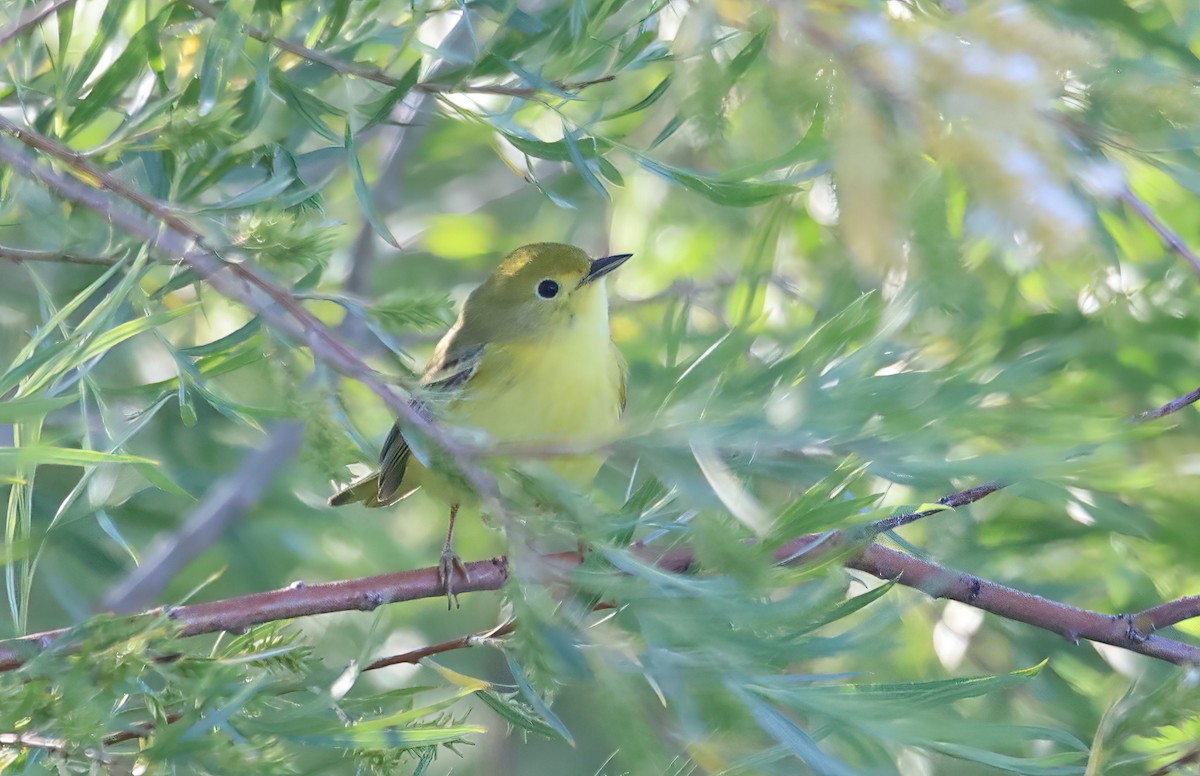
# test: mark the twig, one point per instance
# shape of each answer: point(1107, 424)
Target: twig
point(1175, 405)
point(19, 255)
point(971, 495)
point(34, 18)
point(1170, 613)
point(141, 730)
point(372, 73)
point(223, 504)
point(961, 498)
point(462, 642)
point(1165, 233)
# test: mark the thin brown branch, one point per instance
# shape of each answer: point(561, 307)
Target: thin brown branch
point(1170, 613)
point(19, 255)
point(372, 73)
point(141, 730)
point(971, 495)
point(1175, 405)
point(961, 498)
point(299, 600)
point(462, 642)
point(296, 600)
point(1164, 232)
point(33, 18)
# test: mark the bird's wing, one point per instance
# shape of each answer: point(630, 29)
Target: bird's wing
point(453, 364)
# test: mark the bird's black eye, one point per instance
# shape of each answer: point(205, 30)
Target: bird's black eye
point(547, 289)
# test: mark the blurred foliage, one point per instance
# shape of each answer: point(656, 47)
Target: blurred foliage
point(884, 250)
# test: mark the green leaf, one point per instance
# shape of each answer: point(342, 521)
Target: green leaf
point(365, 200)
point(17, 410)
point(378, 111)
point(654, 96)
point(535, 700)
point(217, 51)
point(106, 33)
point(778, 726)
point(515, 714)
point(716, 189)
point(119, 75)
point(16, 457)
point(306, 106)
point(746, 57)
point(228, 342)
point(583, 165)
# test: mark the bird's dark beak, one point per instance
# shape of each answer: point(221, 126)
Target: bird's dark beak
point(601, 267)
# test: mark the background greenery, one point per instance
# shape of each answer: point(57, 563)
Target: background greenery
point(884, 251)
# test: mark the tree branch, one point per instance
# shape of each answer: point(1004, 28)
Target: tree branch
point(971, 495)
point(462, 642)
point(1175, 405)
point(34, 18)
point(19, 255)
point(366, 594)
point(1170, 613)
point(178, 238)
point(961, 498)
point(1165, 233)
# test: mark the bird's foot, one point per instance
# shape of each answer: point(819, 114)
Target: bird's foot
point(447, 566)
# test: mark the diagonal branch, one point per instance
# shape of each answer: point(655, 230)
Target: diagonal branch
point(1164, 232)
point(1175, 405)
point(34, 18)
point(176, 237)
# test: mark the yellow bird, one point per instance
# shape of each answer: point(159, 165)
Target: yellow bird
point(530, 359)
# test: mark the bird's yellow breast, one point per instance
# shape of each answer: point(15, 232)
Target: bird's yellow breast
point(565, 388)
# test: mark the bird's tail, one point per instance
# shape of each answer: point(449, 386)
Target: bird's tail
point(364, 489)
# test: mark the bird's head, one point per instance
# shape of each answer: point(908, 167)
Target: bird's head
point(542, 288)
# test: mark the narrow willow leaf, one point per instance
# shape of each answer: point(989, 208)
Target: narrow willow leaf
point(106, 33)
point(732, 493)
point(365, 200)
point(535, 700)
point(306, 106)
point(378, 111)
point(583, 165)
point(119, 75)
point(228, 342)
point(17, 410)
point(746, 57)
point(63, 456)
point(654, 96)
point(716, 189)
point(515, 715)
point(778, 726)
point(225, 33)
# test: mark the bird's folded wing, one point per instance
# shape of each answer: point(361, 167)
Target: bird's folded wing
point(449, 371)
